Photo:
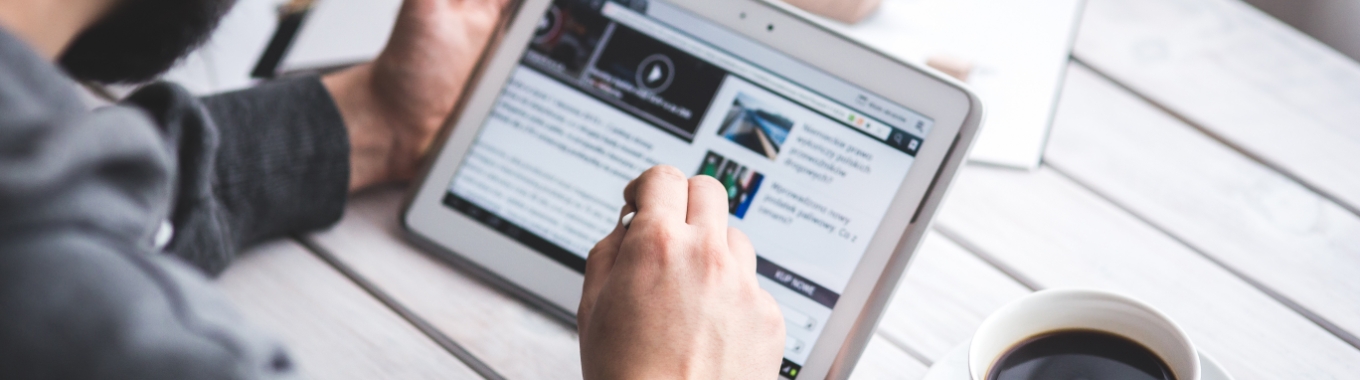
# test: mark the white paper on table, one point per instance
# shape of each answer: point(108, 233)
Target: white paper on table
point(1019, 49)
point(225, 61)
point(341, 32)
point(335, 32)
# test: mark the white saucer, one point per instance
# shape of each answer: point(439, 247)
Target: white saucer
point(954, 366)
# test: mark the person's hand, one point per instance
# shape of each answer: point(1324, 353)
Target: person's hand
point(394, 105)
point(675, 294)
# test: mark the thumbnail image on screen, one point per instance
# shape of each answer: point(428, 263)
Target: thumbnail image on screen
point(751, 124)
point(740, 182)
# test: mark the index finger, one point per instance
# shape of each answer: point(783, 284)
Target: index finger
point(659, 194)
point(707, 202)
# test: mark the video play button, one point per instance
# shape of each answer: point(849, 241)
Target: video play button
point(655, 73)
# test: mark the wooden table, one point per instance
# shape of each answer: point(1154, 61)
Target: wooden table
point(1204, 158)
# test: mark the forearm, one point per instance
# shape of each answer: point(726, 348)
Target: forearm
point(394, 106)
point(376, 151)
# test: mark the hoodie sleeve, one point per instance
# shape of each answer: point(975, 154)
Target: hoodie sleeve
point(283, 166)
point(256, 164)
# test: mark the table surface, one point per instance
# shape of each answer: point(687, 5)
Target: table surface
point(1204, 158)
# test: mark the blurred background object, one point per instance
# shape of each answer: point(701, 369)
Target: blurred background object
point(956, 67)
point(847, 11)
point(225, 61)
point(339, 33)
point(1334, 22)
point(291, 15)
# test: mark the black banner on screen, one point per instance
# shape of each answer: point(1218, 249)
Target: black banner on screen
point(656, 82)
point(569, 33)
point(669, 87)
point(797, 283)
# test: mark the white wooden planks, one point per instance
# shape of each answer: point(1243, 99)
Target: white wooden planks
point(334, 330)
point(1243, 77)
point(946, 294)
point(513, 339)
point(1060, 235)
point(1244, 215)
point(882, 360)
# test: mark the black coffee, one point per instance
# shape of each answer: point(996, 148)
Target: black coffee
point(1080, 355)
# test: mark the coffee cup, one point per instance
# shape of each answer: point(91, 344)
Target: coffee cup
point(1051, 321)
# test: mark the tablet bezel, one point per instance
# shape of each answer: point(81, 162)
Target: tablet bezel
point(557, 288)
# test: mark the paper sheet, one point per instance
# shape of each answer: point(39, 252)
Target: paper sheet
point(1019, 49)
point(338, 32)
point(224, 62)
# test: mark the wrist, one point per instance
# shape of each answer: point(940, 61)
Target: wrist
point(636, 373)
point(372, 144)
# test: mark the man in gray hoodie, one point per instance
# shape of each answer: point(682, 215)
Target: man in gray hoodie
point(111, 218)
point(100, 210)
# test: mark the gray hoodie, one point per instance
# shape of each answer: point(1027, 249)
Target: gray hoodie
point(87, 288)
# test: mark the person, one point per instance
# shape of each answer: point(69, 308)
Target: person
point(112, 220)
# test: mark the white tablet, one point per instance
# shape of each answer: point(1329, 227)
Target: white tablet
point(834, 156)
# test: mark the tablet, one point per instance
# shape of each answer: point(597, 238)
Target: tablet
point(834, 156)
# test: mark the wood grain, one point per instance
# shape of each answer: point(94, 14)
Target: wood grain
point(515, 340)
point(1061, 235)
point(1242, 214)
point(882, 360)
point(333, 329)
point(1241, 76)
point(946, 294)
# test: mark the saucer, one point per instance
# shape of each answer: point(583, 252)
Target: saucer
point(954, 366)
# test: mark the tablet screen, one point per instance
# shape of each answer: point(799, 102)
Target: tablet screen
point(608, 89)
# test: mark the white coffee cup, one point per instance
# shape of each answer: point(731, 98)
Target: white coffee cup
point(1072, 309)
